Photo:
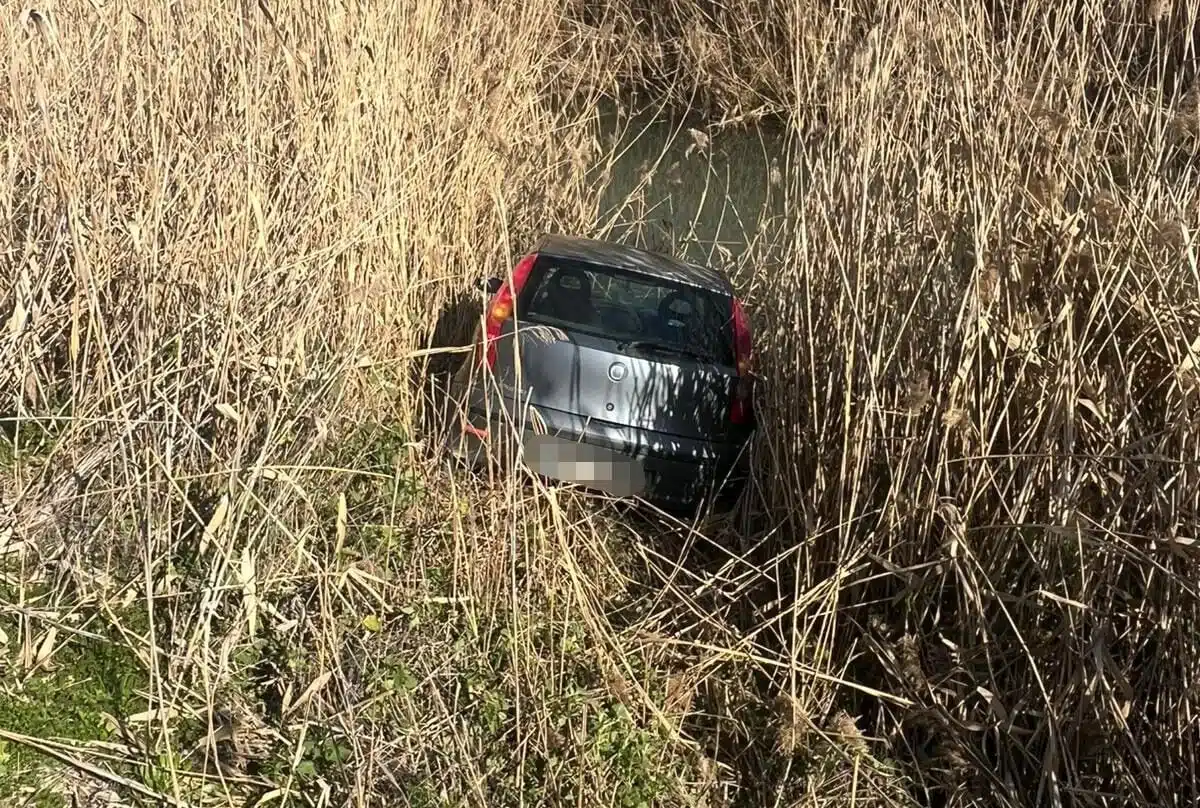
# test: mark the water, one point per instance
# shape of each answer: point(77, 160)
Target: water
point(706, 194)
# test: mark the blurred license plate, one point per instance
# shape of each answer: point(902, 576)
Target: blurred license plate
point(580, 463)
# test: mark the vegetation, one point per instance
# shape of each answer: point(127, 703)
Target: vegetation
point(234, 569)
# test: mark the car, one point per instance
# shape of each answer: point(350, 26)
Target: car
point(623, 371)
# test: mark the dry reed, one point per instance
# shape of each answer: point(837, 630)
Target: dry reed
point(966, 572)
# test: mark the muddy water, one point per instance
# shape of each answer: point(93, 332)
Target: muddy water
point(705, 193)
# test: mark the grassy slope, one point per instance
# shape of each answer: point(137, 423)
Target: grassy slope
point(966, 573)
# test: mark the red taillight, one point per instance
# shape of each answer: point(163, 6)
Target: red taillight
point(741, 410)
point(501, 306)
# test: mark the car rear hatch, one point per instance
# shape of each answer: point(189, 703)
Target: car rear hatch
point(623, 348)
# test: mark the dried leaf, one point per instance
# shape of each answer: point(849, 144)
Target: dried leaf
point(46, 646)
point(150, 716)
point(212, 530)
point(1187, 369)
point(260, 241)
point(342, 519)
point(247, 579)
point(229, 412)
point(313, 688)
point(22, 296)
point(1091, 407)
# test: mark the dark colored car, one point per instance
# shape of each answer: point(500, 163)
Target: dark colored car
point(621, 370)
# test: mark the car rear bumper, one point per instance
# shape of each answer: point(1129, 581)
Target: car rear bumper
point(618, 461)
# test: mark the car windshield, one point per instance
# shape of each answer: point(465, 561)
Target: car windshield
point(647, 312)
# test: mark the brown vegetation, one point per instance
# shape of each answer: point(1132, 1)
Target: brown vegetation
point(966, 573)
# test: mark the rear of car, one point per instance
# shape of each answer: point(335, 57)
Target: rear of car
point(616, 370)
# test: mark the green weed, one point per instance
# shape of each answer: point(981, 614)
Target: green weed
point(81, 693)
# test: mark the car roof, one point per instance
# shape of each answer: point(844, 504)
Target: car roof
point(620, 256)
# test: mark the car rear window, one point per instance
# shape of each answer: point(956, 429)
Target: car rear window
point(623, 305)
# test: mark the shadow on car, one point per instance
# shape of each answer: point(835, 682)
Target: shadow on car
point(644, 467)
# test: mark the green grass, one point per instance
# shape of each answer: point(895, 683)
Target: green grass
point(81, 692)
point(424, 651)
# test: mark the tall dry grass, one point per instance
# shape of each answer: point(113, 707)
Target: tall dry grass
point(966, 574)
point(997, 418)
